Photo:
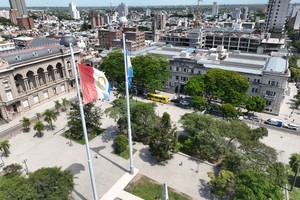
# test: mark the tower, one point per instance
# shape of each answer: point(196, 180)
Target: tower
point(123, 10)
point(275, 18)
point(20, 6)
point(74, 13)
point(215, 9)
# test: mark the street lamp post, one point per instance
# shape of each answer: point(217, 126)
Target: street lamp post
point(25, 163)
point(68, 41)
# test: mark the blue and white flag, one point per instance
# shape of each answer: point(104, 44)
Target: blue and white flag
point(129, 69)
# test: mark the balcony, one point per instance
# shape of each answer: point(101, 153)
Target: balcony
point(270, 97)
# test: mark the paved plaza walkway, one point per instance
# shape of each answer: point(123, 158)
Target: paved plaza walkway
point(111, 171)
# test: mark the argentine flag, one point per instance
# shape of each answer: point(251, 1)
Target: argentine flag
point(129, 69)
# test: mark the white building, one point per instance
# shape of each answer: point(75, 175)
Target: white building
point(236, 14)
point(244, 13)
point(215, 9)
point(123, 10)
point(4, 13)
point(74, 13)
point(276, 15)
point(268, 75)
point(147, 13)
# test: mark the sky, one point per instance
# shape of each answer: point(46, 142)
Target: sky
point(96, 3)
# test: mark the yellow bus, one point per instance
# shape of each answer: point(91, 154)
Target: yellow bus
point(158, 97)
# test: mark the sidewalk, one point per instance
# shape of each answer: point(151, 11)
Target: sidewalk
point(10, 129)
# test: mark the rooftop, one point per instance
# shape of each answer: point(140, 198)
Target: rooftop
point(276, 64)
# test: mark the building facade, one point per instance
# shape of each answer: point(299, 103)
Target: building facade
point(20, 6)
point(25, 23)
point(31, 76)
point(277, 11)
point(96, 19)
point(74, 13)
point(161, 21)
point(123, 10)
point(215, 9)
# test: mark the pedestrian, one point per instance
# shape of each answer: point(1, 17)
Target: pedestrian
point(293, 120)
point(180, 163)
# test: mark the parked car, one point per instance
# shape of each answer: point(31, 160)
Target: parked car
point(290, 126)
point(275, 122)
point(254, 118)
point(184, 103)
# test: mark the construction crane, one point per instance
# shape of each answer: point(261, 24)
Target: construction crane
point(197, 20)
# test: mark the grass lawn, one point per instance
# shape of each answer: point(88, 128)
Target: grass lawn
point(125, 154)
point(149, 189)
point(81, 141)
point(295, 194)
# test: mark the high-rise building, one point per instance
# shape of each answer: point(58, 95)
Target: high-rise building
point(236, 14)
point(215, 9)
point(25, 23)
point(4, 13)
point(276, 14)
point(123, 10)
point(161, 21)
point(96, 19)
point(74, 13)
point(244, 13)
point(13, 15)
point(147, 13)
point(20, 6)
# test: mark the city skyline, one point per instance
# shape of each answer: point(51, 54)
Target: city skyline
point(83, 3)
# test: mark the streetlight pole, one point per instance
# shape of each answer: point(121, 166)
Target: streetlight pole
point(68, 41)
point(25, 163)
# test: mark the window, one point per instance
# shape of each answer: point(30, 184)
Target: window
point(277, 83)
point(256, 90)
point(184, 70)
point(45, 94)
point(252, 89)
point(62, 87)
point(36, 99)
point(255, 80)
point(258, 80)
point(9, 95)
point(177, 77)
point(177, 69)
point(25, 103)
point(171, 68)
point(54, 90)
point(5, 84)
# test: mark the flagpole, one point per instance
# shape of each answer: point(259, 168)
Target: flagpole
point(128, 107)
point(87, 148)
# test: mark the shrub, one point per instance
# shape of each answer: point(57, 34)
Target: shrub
point(120, 144)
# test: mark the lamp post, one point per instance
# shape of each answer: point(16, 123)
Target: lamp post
point(25, 163)
point(68, 41)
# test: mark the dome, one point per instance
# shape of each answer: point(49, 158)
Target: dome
point(67, 39)
point(123, 20)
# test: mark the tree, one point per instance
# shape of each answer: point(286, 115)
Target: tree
point(223, 183)
point(120, 144)
point(164, 140)
point(195, 86)
point(142, 115)
point(65, 102)
point(150, 71)
point(277, 174)
point(256, 104)
point(26, 124)
point(16, 187)
point(49, 117)
point(228, 111)
point(4, 146)
point(258, 133)
point(85, 26)
point(113, 66)
point(39, 127)
point(199, 103)
point(52, 183)
point(295, 166)
point(93, 116)
point(255, 185)
point(13, 169)
point(57, 105)
point(38, 115)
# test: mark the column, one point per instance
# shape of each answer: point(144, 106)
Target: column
point(37, 81)
point(239, 43)
point(46, 77)
point(26, 84)
point(55, 74)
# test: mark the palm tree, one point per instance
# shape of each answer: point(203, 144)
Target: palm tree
point(295, 165)
point(57, 105)
point(39, 127)
point(26, 124)
point(65, 102)
point(38, 115)
point(49, 117)
point(4, 146)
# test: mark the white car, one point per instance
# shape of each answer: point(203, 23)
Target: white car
point(290, 126)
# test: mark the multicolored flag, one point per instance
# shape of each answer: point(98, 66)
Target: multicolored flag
point(94, 84)
point(129, 69)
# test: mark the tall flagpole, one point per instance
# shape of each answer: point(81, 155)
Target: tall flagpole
point(128, 107)
point(87, 148)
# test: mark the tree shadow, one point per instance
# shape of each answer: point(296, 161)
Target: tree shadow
point(98, 149)
point(146, 156)
point(48, 127)
point(109, 134)
point(37, 134)
point(205, 190)
point(75, 168)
